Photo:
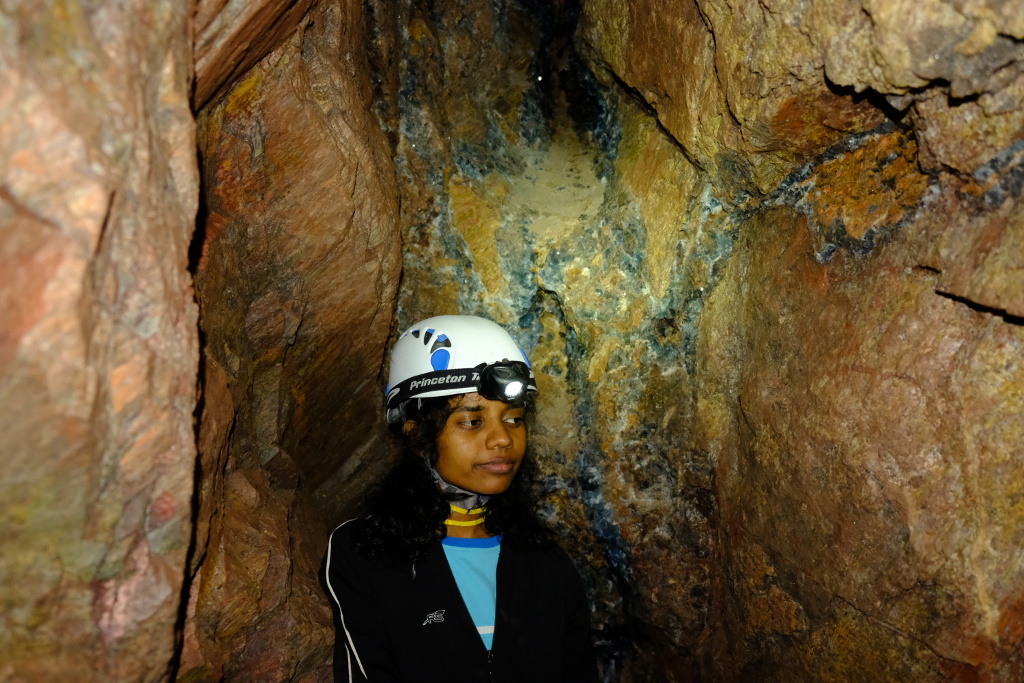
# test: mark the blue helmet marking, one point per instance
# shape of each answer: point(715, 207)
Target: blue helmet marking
point(440, 359)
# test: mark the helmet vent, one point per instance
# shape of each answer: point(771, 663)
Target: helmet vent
point(441, 342)
point(440, 357)
point(427, 336)
point(415, 334)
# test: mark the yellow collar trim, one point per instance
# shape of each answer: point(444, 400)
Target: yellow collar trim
point(459, 522)
point(464, 511)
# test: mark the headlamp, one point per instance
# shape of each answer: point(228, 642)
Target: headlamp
point(504, 381)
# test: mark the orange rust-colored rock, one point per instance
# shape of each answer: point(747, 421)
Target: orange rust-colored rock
point(810, 124)
point(877, 185)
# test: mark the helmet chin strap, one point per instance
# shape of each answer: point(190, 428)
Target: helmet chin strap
point(459, 496)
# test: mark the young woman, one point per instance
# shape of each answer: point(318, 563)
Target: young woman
point(449, 576)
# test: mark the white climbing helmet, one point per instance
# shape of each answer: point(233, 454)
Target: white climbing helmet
point(456, 354)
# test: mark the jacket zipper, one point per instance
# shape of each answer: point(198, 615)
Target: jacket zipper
point(490, 665)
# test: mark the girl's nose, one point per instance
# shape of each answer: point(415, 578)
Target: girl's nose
point(498, 436)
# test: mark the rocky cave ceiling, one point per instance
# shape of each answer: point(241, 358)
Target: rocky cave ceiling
point(768, 258)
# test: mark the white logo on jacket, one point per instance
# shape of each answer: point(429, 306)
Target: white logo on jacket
point(434, 618)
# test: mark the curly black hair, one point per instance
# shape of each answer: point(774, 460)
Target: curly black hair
point(405, 512)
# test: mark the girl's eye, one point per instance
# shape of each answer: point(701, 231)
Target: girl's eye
point(514, 419)
point(472, 422)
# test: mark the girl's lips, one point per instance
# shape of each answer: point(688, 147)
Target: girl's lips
point(498, 465)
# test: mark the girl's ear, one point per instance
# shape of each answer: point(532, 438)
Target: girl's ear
point(408, 427)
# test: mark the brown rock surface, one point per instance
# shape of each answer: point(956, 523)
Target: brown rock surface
point(296, 278)
point(98, 352)
point(767, 85)
point(767, 257)
point(876, 462)
point(737, 85)
point(231, 36)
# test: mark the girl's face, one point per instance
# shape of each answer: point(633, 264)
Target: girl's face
point(482, 444)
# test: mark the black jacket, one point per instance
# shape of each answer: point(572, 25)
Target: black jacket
point(399, 622)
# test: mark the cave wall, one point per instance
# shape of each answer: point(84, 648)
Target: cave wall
point(296, 277)
point(857, 383)
point(514, 207)
point(98, 348)
point(869, 478)
point(767, 257)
